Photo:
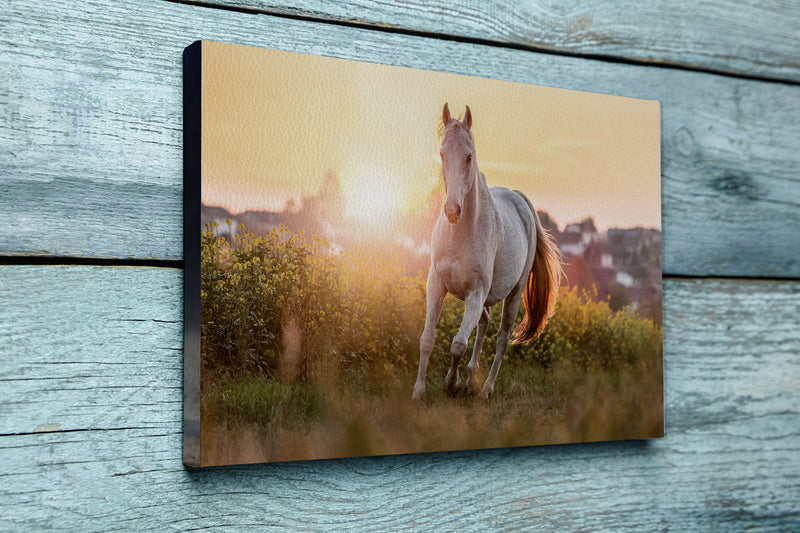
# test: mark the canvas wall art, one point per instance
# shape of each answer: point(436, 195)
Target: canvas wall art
point(382, 260)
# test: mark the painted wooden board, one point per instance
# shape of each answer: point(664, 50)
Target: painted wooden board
point(90, 148)
point(744, 38)
point(90, 430)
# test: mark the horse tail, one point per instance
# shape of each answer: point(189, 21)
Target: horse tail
point(541, 291)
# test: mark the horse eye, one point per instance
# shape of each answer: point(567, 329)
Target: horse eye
point(469, 158)
point(441, 155)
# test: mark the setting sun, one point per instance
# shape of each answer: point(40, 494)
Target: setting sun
point(373, 195)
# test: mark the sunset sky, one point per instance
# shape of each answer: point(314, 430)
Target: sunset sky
point(274, 123)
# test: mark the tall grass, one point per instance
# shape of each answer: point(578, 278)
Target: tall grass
point(247, 421)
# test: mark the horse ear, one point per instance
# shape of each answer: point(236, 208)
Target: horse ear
point(468, 119)
point(446, 115)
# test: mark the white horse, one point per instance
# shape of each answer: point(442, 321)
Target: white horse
point(487, 246)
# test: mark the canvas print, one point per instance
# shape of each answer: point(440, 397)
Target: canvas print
point(383, 260)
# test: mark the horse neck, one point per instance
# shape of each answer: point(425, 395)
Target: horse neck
point(478, 205)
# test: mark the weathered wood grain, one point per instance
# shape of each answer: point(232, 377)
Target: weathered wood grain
point(90, 430)
point(79, 343)
point(90, 144)
point(744, 38)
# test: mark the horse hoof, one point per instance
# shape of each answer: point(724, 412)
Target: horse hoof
point(452, 384)
point(418, 392)
point(453, 390)
point(486, 393)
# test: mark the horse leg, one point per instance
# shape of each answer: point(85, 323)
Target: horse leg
point(474, 362)
point(510, 308)
point(434, 295)
point(473, 308)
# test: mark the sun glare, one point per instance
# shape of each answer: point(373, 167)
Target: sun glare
point(373, 196)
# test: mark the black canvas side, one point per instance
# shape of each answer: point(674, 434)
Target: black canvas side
point(192, 78)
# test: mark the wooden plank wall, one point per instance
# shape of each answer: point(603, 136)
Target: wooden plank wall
point(91, 280)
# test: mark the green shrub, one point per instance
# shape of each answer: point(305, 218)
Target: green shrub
point(587, 333)
point(255, 288)
point(293, 309)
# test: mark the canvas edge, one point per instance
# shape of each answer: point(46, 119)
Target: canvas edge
point(192, 105)
point(661, 229)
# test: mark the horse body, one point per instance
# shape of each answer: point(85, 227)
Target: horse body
point(487, 246)
point(486, 257)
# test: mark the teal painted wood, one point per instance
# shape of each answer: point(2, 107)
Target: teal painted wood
point(745, 38)
point(91, 358)
point(90, 148)
point(90, 430)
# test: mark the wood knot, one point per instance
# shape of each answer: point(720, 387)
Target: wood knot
point(684, 141)
point(737, 185)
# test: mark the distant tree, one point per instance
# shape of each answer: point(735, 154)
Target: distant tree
point(618, 296)
point(548, 222)
point(588, 225)
point(332, 196)
point(652, 305)
point(579, 275)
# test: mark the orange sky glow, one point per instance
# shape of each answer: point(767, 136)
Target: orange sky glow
point(274, 123)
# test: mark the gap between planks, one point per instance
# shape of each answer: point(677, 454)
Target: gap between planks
point(55, 260)
point(60, 261)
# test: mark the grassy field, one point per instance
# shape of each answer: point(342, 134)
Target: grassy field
point(259, 419)
point(310, 354)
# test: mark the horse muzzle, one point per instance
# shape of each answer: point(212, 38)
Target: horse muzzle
point(453, 212)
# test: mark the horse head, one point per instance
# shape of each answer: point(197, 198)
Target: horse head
point(459, 165)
